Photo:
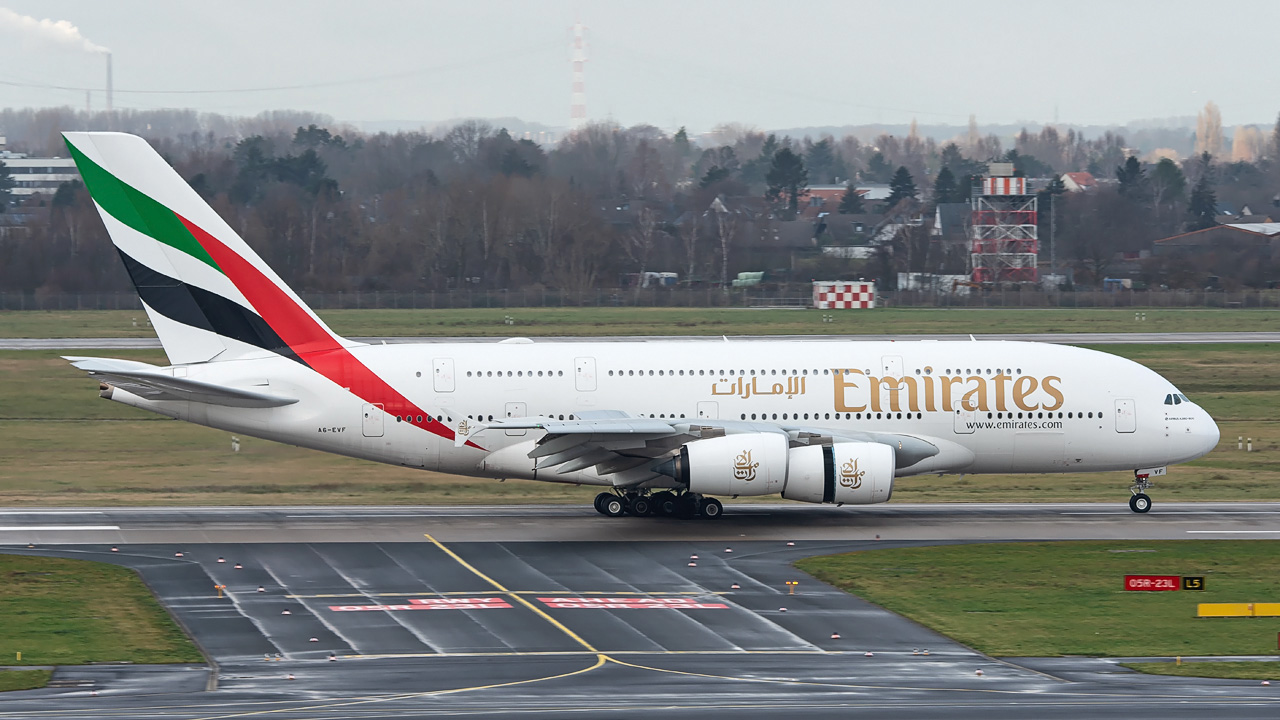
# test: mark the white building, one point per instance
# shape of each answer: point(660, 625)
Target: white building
point(36, 175)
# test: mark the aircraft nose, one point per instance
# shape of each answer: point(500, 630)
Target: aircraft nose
point(1206, 434)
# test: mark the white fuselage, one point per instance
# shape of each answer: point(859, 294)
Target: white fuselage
point(992, 407)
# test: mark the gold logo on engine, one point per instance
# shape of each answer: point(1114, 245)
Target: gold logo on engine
point(850, 475)
point(743, 468)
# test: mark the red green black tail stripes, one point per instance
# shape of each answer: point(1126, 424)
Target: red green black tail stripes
point(136, 209)
point(196, 307)
point(252, 306)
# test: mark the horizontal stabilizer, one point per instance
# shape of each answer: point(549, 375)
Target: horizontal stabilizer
point(152, 383)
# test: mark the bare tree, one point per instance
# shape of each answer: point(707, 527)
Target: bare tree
point(639, 241)
point(726, 228)
point(1209, 130)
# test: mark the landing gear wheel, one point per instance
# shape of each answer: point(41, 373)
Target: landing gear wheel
point(663, 503)
point(1140, 503)
point(599, 501)
point(642, 506)
point(613, 506)
point(712, 508)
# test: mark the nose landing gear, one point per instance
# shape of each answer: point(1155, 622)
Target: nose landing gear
point(1140, 502)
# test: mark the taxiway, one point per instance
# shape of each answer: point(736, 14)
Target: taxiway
point(554, 611)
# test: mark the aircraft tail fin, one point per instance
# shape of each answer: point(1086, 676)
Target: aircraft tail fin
point(208, 294)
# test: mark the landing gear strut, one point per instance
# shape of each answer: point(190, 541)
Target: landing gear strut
point(1140, 502)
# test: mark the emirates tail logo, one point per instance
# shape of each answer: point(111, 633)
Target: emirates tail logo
point(850, 475)
point(464, 428)
point(743, 468)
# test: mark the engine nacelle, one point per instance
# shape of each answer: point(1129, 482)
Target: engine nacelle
point(855, 473)
point(744, 464)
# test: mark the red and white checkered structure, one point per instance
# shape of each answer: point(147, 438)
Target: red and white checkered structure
point(844, 295)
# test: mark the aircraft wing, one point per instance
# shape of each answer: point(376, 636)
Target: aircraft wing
point(613, 441)
point(148, 381)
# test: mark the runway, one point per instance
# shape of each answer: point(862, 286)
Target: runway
point(555, 611)
point(944, 522)
point(1161, 338)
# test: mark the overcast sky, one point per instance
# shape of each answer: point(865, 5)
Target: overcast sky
point(665, 62)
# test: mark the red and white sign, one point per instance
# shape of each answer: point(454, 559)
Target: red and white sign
point(432, 604)
point(1152, 582)
point(844, 295)
point(630, 603)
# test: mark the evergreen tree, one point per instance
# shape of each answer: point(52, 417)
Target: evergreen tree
point(851, 201)
point(1133, 179)
point(787, 180)
point(901, 187)
point(945, 189)
point(951, 158)
point(1168, 181)
point(681, 142)
point(1202, 208)
point(713, 175)
point(878, 167)
point(6, 185)
point(820, 160)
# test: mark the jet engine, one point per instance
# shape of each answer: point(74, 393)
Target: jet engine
point(855, 473)
point(743, 464)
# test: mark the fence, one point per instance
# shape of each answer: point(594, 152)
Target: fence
point(797, 296)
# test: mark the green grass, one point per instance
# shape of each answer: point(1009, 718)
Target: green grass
point(62, 445)
point(69, 612)
point(1239, 670)
point(541, 322)
point(1050, 599)
point(23, 679)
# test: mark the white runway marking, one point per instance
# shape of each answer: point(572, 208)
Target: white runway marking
point(1184, 512)
point(1233, 532)
point(53, 528)
point(51, 512)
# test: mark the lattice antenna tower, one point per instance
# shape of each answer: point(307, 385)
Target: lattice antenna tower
point(578, 61)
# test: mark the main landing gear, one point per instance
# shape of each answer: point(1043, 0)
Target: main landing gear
point(1140, 502)
point(662, 504)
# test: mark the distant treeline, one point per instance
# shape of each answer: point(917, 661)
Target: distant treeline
point(333, 209)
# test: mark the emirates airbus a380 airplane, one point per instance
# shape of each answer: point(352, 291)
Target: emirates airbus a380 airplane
point(661, 427)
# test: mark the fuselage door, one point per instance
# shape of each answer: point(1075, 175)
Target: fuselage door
point(442, 374)
point(373, 415)
point(891, 366)
point(963, 420)
point(1126, 417)
point(709, 410)
point(584, 374)
point(516, 410)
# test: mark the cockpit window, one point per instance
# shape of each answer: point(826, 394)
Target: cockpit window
point(1177, 399)
point(1168, 399)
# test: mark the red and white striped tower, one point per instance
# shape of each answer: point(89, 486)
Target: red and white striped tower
point(578, 101)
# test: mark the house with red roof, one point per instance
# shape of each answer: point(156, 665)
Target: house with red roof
point(1079, 181)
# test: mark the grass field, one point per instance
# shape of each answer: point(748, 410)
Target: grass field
point(23, 679)
point(62, 445)
point(1243, 670)
point(69, 612)
point(543, 322)
point(1049, 599)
